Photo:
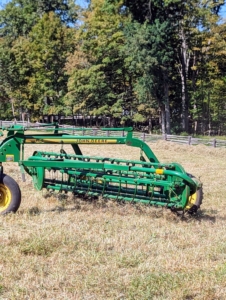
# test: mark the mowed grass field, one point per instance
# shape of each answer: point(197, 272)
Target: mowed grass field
point(58, 247)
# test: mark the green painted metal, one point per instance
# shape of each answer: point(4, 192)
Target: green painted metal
point(149, 181)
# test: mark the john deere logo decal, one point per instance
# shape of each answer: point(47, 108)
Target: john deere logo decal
point(71, 141)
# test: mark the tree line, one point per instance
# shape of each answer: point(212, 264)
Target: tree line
point(127, 60)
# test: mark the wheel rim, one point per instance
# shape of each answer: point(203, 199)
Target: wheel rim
point(5, 197)
point(191, 201)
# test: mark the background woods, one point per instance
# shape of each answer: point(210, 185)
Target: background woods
point(159, 63)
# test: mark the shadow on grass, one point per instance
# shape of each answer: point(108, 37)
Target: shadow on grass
point(201, 216)
point(123, 209)
point(68, 203)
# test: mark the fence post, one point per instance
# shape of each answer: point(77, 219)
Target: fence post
point(165, 137)
point(189, 140)
point(214, 143)
point(94, 131)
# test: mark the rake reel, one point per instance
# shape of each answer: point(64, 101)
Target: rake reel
point(145, 180)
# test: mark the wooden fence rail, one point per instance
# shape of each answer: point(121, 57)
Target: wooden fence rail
point(188, 140)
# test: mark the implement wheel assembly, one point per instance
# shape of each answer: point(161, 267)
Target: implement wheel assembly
point(10, 195)
point(194, 201)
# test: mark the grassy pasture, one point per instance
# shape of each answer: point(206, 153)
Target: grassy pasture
point(58, 247)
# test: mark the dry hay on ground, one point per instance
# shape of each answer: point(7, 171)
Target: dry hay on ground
point(56, 247)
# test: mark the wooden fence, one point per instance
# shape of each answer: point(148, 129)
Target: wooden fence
point(188, 140)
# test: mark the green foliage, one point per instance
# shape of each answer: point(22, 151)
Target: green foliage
point(184, 133)
point(103, 80)
point(138, 118)
point(40, 61)
point(129, 60)
point(33, 54)
point(49, 44)
point(147, 57)
point(19, 16)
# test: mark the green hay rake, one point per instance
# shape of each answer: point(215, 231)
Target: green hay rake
point(145, 180)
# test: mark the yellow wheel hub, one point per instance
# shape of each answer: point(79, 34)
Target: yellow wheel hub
point(191, 201)
point(5, 197)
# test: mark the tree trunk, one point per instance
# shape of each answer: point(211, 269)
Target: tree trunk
point(209, 115)
point(184, 103)
point(150, 125)
point(183, 70)
point(163, 118)
point(12, 106)
point(167, 105)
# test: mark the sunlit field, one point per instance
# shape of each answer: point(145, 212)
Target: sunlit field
point(60, 247)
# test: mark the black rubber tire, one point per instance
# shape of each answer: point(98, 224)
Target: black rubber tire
point(10, 195)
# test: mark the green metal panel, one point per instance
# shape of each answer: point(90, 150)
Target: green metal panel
point(10, 149)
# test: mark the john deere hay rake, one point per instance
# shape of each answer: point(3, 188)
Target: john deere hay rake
point(138, 181)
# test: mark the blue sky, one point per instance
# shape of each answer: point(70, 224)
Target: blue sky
point(223, 11)
point(82, 2)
